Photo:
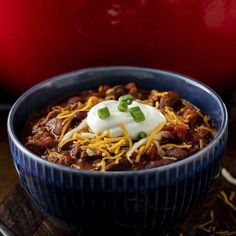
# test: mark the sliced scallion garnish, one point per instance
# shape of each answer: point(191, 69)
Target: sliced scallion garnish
point(137, 114)
point(122, 106)
point(128, 99)
point(103, 113)
point(141, 135)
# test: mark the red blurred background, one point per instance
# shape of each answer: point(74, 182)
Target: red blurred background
point(42, 38)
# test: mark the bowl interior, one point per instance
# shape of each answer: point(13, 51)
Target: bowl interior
point(65, 85)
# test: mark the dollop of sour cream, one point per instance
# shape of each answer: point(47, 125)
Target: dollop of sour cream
point(153, 118)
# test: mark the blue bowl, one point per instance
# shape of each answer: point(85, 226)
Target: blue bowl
point(145, 200)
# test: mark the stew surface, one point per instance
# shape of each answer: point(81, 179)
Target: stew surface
point(118, 128)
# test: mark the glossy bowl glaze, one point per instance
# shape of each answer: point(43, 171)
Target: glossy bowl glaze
point(145, 200)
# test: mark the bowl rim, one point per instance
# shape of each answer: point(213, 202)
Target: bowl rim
point(191, 158)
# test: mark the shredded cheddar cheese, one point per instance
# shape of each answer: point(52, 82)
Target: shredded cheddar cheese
point(172, 145)
point(153, 134)
point(170, 158)
point(124, 131)
point(56, 154)
point(172, 117)
point(117, 160)
point(87, 135)
point(61, 144)
point(135, 147)
point(206, 120)
point(100, 88)
point(140, 153)
point(157, 104)
point(66, 136)
point(69, 114)
point(90, 152)
point(110, 97)
point(103, 165)
point(159, 94)
point(65, 127)
point(110, 90)
point(116, 147)
point(113, 149)
point(201, 143)
point(212, 131)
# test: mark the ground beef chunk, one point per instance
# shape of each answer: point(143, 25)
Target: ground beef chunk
point(84, 157)
point(151, 154)
point(117, 91)
point(123, 164)
point(76, 152)
point(178, 153)
point(157, 163)
point(74, 100)
point(67, 147)
point(153, 96)
point(205, 135)
point(178, 132)
point(50, 115)
point(194, 136)
point(85, 95)
point(132, 88)
point(80, 115)
point(66, 160)
point(92, 157)
point(195, 148)
point(58, 127)
point(172, 99)
point(55, 126)
point(41, 141)
point(103, 89)
point(192, 116)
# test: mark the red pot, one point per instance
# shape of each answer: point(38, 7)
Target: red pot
point(39, 39)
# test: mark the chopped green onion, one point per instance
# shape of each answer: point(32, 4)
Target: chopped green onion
point(141, 135)
point(122, 106)
point(135, 109)
point(128, 99)
point(103, 113)
point(137, 114)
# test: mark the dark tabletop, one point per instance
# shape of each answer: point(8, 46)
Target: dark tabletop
point(212, 217)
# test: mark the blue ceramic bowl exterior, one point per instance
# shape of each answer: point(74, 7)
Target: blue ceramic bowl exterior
point(145, 200)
